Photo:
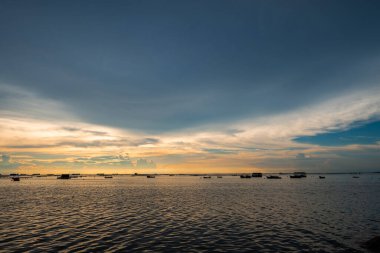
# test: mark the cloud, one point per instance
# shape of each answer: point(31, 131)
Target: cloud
point(233, 131)
point(93, 132)
point(335, 114)
point(116, 162)
point(145, 164)
point(5, 158)
point(198, 77)
point(121, 161)
point(6, 163)
point(332, 159)
point(17, 102)
point(150, 141)
point(252, 142)
point(220, 151)
point(118, 142)
point(300, 156)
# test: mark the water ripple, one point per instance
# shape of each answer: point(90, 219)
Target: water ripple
point(187, 214)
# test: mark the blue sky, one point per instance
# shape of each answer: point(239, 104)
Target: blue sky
point(366, 134)
point(165, 70)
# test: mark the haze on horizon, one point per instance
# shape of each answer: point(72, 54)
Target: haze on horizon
point(189, 86)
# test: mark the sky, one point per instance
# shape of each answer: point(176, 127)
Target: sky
point(189, 86)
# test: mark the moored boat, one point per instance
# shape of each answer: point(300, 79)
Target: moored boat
point(257, 174)
point(298, 175)
point(64, 176)
point(273, 177)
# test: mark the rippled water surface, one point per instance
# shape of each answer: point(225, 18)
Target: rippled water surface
point(189, 214)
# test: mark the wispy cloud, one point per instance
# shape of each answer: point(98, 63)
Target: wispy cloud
point(261, 142)
point(7, 164)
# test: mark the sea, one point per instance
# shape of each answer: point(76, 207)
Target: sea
point(189, 214)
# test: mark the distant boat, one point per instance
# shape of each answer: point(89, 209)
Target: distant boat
point(322, 177)
point(207, 177)
point(151, 176)
point(245, 176)
point(16, 178)
point(75, 175)
point(298, 175)
point(355, 177)
point(108, 177)
point(257, 174)
point(273, 177)
point(64, 176)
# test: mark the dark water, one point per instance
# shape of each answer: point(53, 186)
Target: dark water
point(189, 214)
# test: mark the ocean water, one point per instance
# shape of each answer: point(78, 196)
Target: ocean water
point(189, 214)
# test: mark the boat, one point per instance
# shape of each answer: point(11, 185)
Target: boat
point(273, 177)
point(245, 176)
point(75, 175)
point(108, 177)
point(16, 179)
point(298, 174)
point(257, 174)
point(151, 176)
point(355, 177)
point(322, 177)
point(207, 177)
point(64, 176)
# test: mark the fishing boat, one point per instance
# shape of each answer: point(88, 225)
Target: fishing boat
point(15, 178)
point(64, 176)
point(298, 175)
point(322, 177)
point(273, 177)
point(75, 175)
point(151, 176)
point(257, 174)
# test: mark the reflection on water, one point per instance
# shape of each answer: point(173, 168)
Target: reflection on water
point(184, 213)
